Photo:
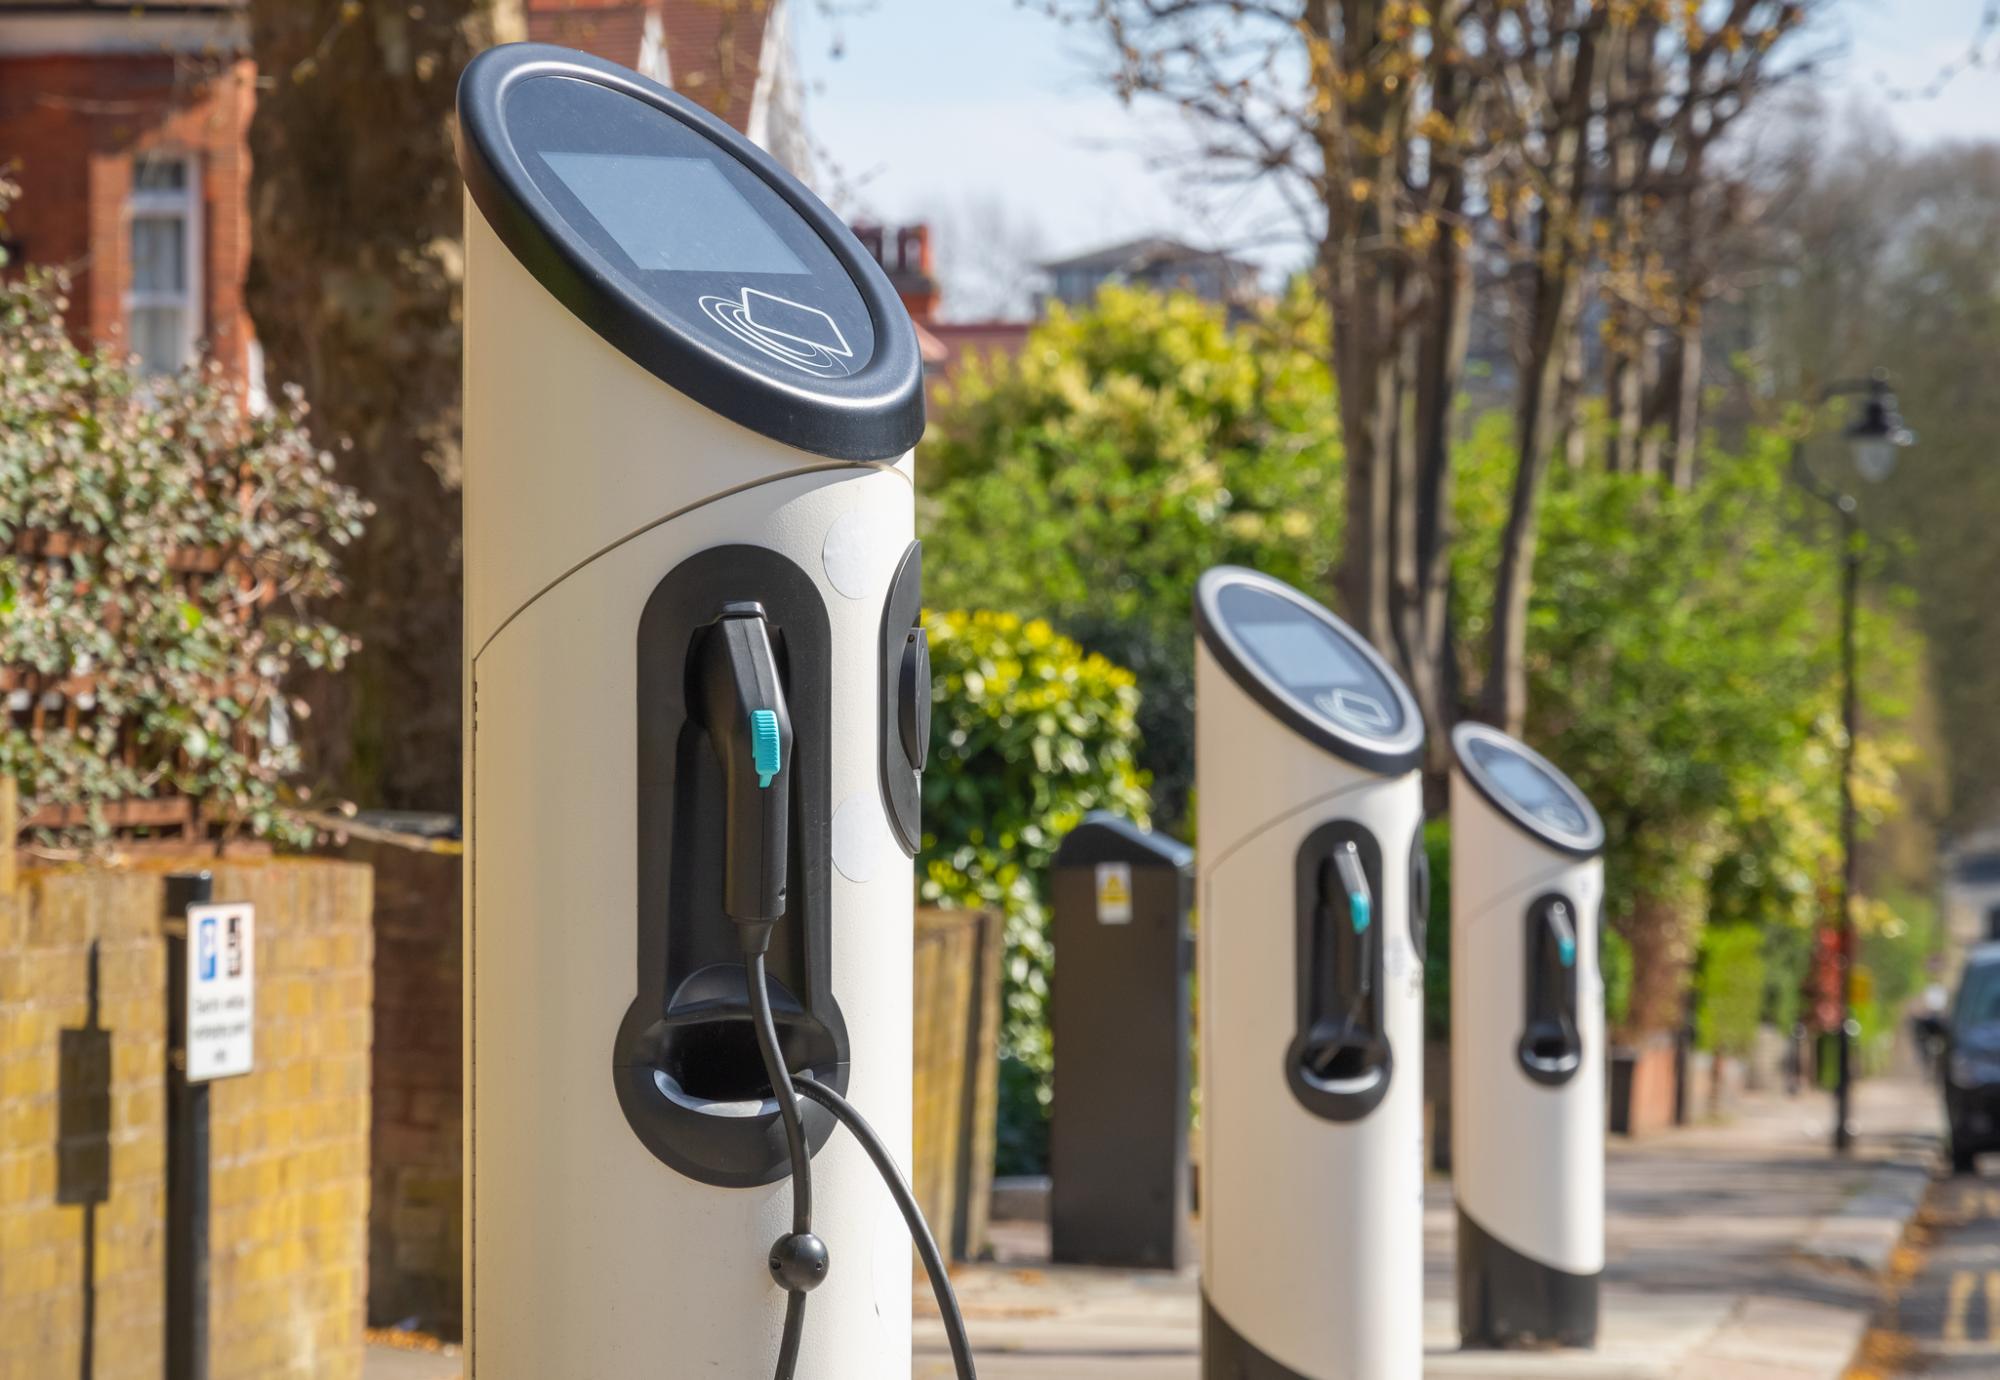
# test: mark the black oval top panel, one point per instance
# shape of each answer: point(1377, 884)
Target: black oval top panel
point(689, 249)
point(1526, 787)
point(1309, 669)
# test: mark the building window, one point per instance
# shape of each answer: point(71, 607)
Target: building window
point(163, 307)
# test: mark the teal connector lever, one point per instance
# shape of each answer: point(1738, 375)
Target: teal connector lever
point(1360, 903)
point(767, 750)
point(1565, 934)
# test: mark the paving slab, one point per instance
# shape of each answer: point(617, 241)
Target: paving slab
point(1742, 1250)
point(1737, 1251)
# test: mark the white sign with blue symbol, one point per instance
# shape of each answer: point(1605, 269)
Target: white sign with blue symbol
point(221, 990)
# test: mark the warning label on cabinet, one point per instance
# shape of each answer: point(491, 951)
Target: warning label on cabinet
point(1114, 893)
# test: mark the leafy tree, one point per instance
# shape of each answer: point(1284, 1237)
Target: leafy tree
point(1885, 258)
point(1126, 449)
point(1446, 157)
point(1682, 657)
point(1031, 734)
point(356, 213)
point(163, 553)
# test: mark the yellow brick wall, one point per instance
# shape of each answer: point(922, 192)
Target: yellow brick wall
point(82, 1102)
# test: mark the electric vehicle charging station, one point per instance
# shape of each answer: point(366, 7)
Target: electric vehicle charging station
point(697, 710)
point(1310, 944)
point(1527, 1046)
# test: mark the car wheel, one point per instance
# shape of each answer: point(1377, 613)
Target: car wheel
point(1963, 1161)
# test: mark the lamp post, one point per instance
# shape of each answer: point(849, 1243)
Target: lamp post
point(1875, 437)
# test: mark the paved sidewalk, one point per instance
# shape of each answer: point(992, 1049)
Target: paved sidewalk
point(1740, 1251)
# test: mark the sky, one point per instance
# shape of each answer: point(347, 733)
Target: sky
point(990, 120)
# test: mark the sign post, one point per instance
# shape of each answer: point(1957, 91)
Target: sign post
point(211, 967)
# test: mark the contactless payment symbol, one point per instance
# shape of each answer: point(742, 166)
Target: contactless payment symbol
point(802, 336)
point(1355, 709)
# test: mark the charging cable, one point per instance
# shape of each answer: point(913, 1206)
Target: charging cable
point(913, 1217)
point(799, 1261)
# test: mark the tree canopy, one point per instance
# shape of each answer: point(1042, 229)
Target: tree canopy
point(1129, 447)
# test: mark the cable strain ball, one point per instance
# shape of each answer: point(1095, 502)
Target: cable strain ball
point(799, 1262)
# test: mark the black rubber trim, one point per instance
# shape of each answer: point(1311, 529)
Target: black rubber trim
point(1568, 1015)
point(1587, 847)
point(690, 1015)
point(903, 638)
point(1389, 758)
point(1227, 1354)
point(874, 414)
point(1420, 896)
point(1508, 1302)
point(1332, 1103)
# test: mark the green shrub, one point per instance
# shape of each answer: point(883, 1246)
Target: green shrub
point(1030, 735)
point(1787, 962)
point(1731, 994)
point(1614, 955)
point(1129, 446)
point(163, 551)
point(1681, 660)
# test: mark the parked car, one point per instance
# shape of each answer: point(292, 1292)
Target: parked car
point(1969, 1037)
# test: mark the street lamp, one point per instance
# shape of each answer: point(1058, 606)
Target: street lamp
point(1875, 437)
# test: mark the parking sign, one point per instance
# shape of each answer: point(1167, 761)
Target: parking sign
point(221, 991)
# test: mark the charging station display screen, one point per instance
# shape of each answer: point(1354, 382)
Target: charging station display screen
point(1310, 662)
point(682, 227)
point(1301, 654)
point(674, 214)
point(1529, 787)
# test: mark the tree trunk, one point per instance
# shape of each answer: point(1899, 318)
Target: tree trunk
point(353, 286)
point(1629, 79)
point(1506, 698)
point(1686, 429)
point(1662, 394)
point(1572, 437)
point(1366, 368)
point(1554, 269)
point(1661, 932)
point(1625, 391)
point(1362, 180)
point(1423, 610)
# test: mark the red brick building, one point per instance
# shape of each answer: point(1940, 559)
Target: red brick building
point(126, 129)
point(126, 126)
point(905, 255)
point(733, 56)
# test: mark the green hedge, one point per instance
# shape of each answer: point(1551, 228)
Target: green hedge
point(1030, 734)
point(1614, 955)
point(1128, 446)
point(1732, 988)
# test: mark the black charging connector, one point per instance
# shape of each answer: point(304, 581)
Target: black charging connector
point(742, 707)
